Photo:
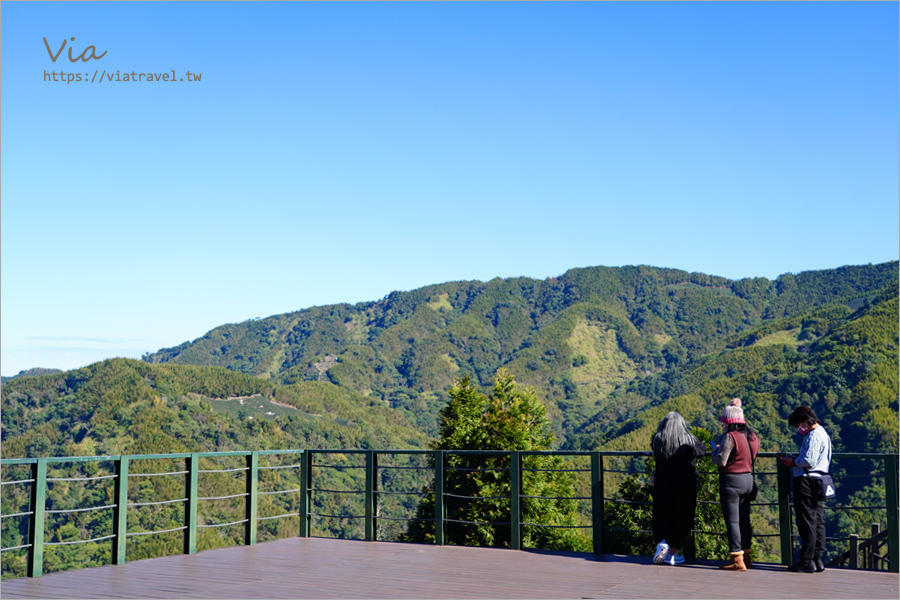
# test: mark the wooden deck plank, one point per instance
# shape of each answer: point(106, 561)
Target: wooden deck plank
point(327, 568)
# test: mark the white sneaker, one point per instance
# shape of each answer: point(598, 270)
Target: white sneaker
point(659, 555)
point(673, 558)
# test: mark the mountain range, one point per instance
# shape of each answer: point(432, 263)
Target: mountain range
point(609, 351)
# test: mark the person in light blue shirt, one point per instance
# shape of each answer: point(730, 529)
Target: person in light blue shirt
point(813, 461)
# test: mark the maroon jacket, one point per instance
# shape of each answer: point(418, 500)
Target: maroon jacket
point(740, 460)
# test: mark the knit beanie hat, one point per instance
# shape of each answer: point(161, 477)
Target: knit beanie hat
point(733, 412)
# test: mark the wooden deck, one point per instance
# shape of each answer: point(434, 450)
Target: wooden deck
point(328, 568)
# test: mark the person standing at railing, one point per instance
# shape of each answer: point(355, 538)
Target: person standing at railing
point(735, 456)
point(813, 461)
point(674, 483)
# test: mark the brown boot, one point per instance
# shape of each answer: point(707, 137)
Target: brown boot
point(747, 562)
point(736, 563)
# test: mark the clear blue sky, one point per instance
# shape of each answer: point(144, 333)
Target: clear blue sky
point(338, 152)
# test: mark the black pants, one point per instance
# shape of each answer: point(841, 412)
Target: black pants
point(674, 505)
point(809, 510)
point(734, 494)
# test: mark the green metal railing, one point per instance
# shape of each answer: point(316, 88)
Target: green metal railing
point(304, 463)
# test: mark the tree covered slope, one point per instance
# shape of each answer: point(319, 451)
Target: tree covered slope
point(580, 339)
point(122, 406)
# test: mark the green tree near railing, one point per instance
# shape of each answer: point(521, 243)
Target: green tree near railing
point(477, 486)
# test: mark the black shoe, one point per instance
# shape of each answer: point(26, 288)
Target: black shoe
point(820, 565)
point(802, 567)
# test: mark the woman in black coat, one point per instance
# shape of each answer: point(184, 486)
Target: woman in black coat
point(675, 449)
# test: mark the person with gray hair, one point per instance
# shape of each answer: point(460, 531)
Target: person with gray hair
point(674, 482)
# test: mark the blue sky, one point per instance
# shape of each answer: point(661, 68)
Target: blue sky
point(339, 152)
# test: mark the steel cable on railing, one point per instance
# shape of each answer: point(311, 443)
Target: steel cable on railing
point(279, 492)
point(293, 514)
point(212, 525)
point(638, 502)
point(403, 493)
point(477, 497)
point(16, 547)
point(182, 528)
point(279, 467)
point(52, 479)
point(337, 491)
point(626, 472)
point(21, 514)
point(19, 481)
point(558, 526)
point(99, 539)
point(338, 466)
point(75, 510)
point(224, 497)
point(402, 518)
point(157, 502)
point(475, 469)
point(337, 516)
point(478, 522)
point(557, 470)
point(381, 468)
point(558, 497)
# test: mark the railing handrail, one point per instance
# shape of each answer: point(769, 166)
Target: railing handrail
point(114, 457)
point(39, 480)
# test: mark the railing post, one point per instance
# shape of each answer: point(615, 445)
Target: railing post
point(120, 513)
point(36, 523)
point(784, 512)
point(854, 551)
point(439, 509)
point(192, 478)
point(891, 494)
point(371, 470)
point(515, 501)
point(305, 473)
point(252, 503)
point(597, 507)
point(872, 555)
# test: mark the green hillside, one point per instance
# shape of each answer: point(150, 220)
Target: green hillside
point(122, 406)
point(841, 362)
point(593, 341)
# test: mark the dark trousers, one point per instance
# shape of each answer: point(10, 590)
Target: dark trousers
point(674, 505)
point(734, 495)
point(809, 511)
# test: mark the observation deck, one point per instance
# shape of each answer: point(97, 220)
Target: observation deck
point(329, 524)
point(332, 568)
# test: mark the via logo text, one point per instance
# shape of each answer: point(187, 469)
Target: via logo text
point(83, 56)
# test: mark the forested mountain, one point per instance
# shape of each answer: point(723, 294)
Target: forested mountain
point(122, 406)
point(29, 373)
point(608, 350)
point(599, 344)
point(840, 361)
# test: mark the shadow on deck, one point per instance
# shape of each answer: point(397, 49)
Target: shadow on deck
point(328, 568)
